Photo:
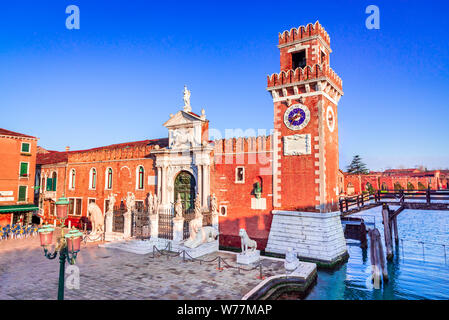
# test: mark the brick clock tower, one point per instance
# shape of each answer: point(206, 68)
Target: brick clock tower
point(305, 161)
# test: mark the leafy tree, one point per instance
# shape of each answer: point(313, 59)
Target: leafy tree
point(357, 166)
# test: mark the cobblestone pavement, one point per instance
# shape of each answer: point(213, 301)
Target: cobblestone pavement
point(113, 274)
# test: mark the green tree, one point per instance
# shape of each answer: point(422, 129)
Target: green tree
point(357, 166)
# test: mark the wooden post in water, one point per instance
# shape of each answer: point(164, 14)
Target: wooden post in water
point(395, 227)
point(381, 255)
point(387, 231)
point(374, 257)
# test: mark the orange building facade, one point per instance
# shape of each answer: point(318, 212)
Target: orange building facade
point(17, 175)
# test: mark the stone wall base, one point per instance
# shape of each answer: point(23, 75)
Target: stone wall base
point(316, 237)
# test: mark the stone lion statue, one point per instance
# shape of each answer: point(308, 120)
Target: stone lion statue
point(247, 244)
point(204, 234)
point(96, 218)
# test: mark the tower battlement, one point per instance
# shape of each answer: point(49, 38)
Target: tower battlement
point(307, 73)
point(303, 33)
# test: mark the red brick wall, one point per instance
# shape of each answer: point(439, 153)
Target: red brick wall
point(253, 155)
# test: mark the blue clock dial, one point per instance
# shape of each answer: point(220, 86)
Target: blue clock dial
point(297, 117)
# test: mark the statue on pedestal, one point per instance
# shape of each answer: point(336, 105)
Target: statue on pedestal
point(178, 208)
point(248, 245)
point(213, 205)
point(291, 260)
point(130, 201)
point(111, 200)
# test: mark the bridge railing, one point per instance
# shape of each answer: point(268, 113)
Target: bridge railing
point(393, 196)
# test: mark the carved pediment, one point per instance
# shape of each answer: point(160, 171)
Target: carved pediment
point(182, 119)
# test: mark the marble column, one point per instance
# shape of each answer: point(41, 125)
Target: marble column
point(205, 181)
point(200, 182)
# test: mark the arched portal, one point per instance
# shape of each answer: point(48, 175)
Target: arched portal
point(185, 187)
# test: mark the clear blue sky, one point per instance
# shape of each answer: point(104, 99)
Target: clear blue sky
point(119, 77)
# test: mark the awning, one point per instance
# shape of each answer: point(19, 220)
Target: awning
point(18, 208)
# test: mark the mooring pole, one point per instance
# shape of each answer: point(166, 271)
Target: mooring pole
point(395, 227)
point(387, 231)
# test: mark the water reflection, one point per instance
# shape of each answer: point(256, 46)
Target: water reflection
point(412, 274)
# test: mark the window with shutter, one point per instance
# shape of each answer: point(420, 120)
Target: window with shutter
point(49, 184)
point(53, 188)
point(22, 193)
point(23, 169)
point(71, 206)
point(78, 207)
point(25, 147)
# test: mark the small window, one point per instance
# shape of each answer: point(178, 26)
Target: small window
point(93, 178)
point(323, 57)
point(140, 178)
point(91, 201)
point(53, 181)
point(72, 179)
point(78, 207)
point(108, 179)
point(22, 193)
point(139, 205)
point(24, 169)
point(223, 211)
point(25, 147)
point(240, 175)
point(299, 59)
point(71, 206)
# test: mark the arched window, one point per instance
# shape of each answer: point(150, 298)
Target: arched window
point(384, 186)
point(350, 189)
point(421, 186)
point(410, 186)
point(72, 179)
point(369, 187)
point(92, 178)
point(109, 178)
point(397, 186)
point(140, 177)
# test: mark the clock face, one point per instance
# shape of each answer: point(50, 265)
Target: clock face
point(297, 117)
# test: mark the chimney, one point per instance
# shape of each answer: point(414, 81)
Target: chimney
point(67, 149)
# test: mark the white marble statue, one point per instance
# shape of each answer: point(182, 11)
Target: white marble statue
point(130, 201)
point(150, 204)
point(155, 204)
point(291, 262)
point(198, 213)
point(178, 207)
point(111, 199)
point(204, 235)
point(213, 204)
point(248, 245)
point(182, 137)
point(96, 218)
point(187, 107)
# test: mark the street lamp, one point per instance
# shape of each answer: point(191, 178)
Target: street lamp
point(68, 244)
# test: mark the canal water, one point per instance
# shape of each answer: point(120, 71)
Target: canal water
point(419, 270)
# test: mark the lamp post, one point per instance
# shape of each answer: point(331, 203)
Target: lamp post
point(68, 244)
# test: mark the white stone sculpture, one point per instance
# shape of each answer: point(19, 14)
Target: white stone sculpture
point(198, 213)
point(155, 204)
point(178, 207)
point(247, 244)
point(187, 107)
point(291, 262)
point(111, 199)
point(150, 204)
point(130, 201)
point(204, 235)
point(213, 205)
point(182, 138)
point(96, 218)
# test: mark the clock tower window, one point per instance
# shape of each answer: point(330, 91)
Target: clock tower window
point(299, 59)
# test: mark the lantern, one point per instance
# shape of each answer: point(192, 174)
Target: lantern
point(62, 208)
point(73, 239)
point(46, 235)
